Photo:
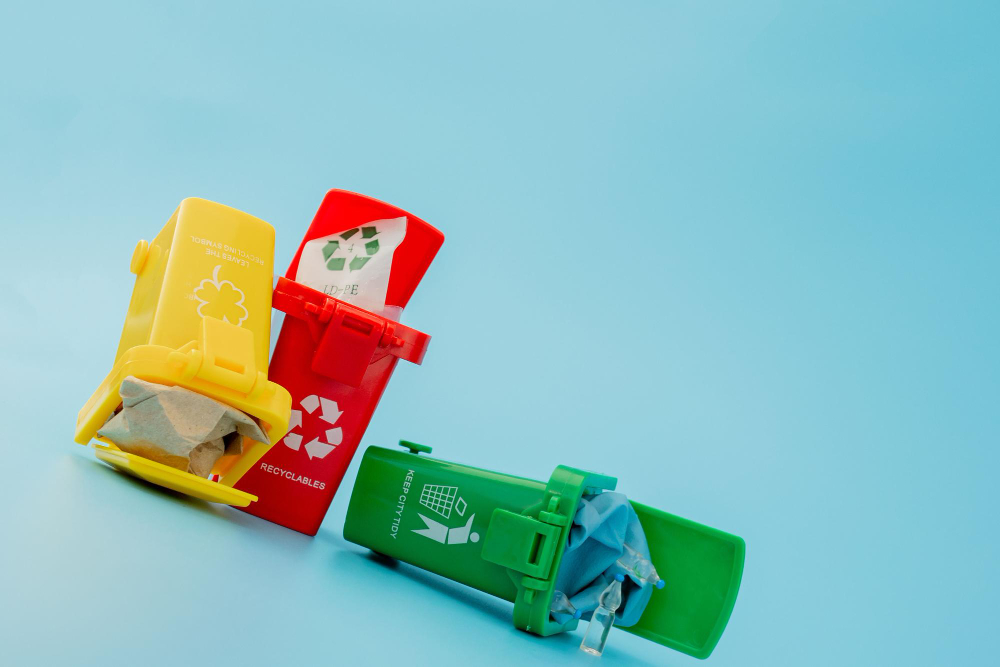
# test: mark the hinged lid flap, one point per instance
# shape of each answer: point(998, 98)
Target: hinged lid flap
point(702, 568)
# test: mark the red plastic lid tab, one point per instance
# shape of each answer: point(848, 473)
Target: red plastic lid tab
point(348, 339)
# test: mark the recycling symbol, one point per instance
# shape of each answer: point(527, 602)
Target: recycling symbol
point(329, 412)
point(337, 251)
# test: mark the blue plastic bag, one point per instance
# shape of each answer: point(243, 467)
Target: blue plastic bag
point(602, 525)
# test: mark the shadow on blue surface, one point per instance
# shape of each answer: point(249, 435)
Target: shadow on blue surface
point(228, 514)
point(361, 564)
point(195, 504)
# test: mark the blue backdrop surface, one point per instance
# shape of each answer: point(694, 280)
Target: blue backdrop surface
point(741, 255)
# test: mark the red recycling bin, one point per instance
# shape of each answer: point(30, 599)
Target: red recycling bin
point(335, 358)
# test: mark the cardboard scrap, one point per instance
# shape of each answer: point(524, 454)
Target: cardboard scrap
point(177, 427)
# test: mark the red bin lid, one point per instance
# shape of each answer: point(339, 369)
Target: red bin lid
point(342, 210)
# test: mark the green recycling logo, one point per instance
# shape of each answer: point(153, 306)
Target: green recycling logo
point(342, 253)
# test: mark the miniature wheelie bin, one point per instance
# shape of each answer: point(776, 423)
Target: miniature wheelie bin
point(356, 268)
point(506, 536)
point(199, 318)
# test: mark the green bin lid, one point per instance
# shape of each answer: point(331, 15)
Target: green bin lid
point(702, 568)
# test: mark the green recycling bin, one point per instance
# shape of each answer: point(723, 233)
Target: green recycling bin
point(505, 535)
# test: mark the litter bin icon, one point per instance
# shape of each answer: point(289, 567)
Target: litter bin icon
point(506, 536)
point(335, 356)
point(199, 318)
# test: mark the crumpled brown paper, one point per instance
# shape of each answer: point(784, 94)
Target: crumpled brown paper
point(177, 427)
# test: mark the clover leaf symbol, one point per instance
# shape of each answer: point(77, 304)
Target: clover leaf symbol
point(221, 299)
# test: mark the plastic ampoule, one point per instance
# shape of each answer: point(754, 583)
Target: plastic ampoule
point(640, 566)
point(596, 636)
point(562, 605)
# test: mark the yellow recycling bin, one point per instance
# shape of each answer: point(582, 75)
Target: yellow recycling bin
point(199, 318)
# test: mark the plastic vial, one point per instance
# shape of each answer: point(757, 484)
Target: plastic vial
point(596, 636)
point(641, 567)
point(562, 605)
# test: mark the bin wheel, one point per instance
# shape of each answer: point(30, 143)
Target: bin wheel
point(382, 558)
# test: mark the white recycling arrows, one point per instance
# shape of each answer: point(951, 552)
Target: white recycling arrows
point(293, 441)
point(330, 413)
point(310, 403)
point(317, 450)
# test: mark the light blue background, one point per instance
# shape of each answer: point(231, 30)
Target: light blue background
point(741, 255)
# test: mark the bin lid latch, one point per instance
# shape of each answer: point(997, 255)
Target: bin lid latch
point(521, 543)
point(348, 338)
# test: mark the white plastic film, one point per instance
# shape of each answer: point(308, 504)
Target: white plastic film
point(353, 265)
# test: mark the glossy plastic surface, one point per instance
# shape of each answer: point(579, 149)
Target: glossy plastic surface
point(172, 478)
point(335, 359)
point(386, 510)
point(199, 318)
point(703, 568)
point(342, 210)
point(525, 537)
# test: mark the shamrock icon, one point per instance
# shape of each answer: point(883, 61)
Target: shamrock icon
point(221, 299)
